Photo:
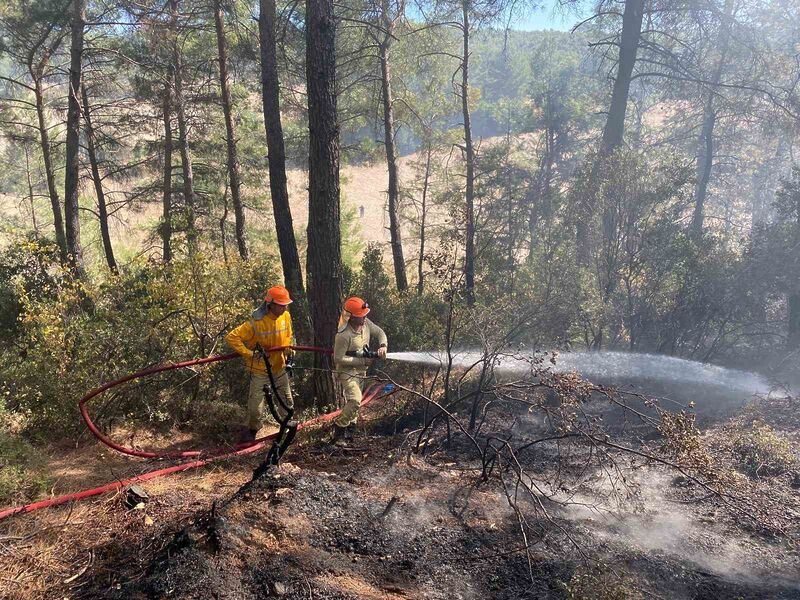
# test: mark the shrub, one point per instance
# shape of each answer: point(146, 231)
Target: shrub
point(151, 314)
point(598, 583)
point(218, 420)
point(22, 469)
point(411, 321)
point(764, 452)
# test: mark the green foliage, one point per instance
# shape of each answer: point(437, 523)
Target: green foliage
point(410, 321)
point(764, 452)
point(149, 315)
point(26, 267)
point(599, 583)
point(350, 231)
point(22, 467)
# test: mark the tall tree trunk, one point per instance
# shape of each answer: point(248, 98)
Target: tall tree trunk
point(98, 184)
point(794, 297)
point(183, 137)
point(391, 157)
point(284, 227)
point(469, 150)
point(71, 191)
point(31, 196)
point(222, 221)
point(324, 264)
point(423, 217)
point(793, 342)
point(614, 130)
point(227, 109)
point(705, 162)
point(705, 155)
point(539, 193)
point(55, 201)
point(511, 226)
point(629, 45)
point(166, 198)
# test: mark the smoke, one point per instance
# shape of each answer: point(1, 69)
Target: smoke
point(686, 534)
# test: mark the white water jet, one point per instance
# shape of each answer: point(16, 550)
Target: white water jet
point(611, 367)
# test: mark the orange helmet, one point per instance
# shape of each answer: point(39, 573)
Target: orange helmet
point(279, 295)
point(356, 307)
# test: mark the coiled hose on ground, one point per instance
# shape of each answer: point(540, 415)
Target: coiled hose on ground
point(211, 455)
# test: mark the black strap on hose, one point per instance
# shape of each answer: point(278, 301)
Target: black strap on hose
point(288, 427)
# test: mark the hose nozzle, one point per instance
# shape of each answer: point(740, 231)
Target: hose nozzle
point(365, 352)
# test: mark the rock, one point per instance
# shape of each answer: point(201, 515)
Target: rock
point(278, 589)
point(135, 497)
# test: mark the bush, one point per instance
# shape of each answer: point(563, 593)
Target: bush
point(26, 267)
point(218, 420)
point(153, 313)
point(411, 321)
point(598, 583)
point(22, 469)
point(764, 452)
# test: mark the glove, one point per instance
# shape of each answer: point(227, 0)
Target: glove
point(290, 366)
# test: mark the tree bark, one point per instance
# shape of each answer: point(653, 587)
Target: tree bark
point(794, 321)
point(469, 151)
point(31, 196)
point(324, 263)
point(793, 301)
point(183, 137)
point(539, 194)
point(98, 184)
point(629, 45)
point(166, 198)
point(706, 148)
point(222, 221)
point(423, 216)
point(227, 108)
point(71, 191)
point(284, 227)
point(705, 163)
point(391, 152)
point(55, 201)
point(614, 130)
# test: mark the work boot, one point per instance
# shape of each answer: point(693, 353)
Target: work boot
point(339, 434)
point(248, 436)
point(350, 431)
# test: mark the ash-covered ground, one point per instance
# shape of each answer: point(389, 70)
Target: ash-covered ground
point(372, 521)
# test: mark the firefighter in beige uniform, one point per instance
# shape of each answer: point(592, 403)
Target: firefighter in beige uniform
point(355, 333)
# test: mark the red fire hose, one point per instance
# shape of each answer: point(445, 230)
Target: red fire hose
point(172, 366)
point(215, 454)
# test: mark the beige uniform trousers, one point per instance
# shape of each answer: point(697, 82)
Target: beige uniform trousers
point(255, 397)
point(351, 383)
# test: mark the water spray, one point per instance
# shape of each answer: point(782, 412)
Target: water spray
point(604, 367)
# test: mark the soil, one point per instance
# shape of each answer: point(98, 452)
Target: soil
point(370, 520)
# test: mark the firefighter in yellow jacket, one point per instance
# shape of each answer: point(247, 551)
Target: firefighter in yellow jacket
point(270, 325)
point(355, 333)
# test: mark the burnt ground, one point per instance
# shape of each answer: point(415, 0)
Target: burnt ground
point(372, 521)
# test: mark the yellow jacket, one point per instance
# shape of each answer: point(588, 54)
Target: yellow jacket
point(267, 330)
point(347, 340)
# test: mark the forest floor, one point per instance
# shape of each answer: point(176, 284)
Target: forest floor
point(370, 520)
